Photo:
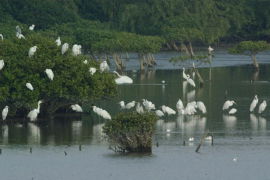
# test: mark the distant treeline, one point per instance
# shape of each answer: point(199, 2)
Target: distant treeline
point(196, 21)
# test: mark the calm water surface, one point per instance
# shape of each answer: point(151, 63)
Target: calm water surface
point(243, 136)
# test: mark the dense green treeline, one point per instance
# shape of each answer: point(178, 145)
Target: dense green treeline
point(199, 21)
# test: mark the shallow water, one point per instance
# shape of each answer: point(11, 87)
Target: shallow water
point(243, 136)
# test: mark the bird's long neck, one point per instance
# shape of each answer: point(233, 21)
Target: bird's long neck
point(117, 74)
point(38, 108)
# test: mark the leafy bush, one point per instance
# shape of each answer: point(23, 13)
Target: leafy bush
point(72, 82)
point(131, 132)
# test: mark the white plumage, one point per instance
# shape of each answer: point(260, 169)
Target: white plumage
point(262, 107)
point(101, 112)
point(32, 115)
point(76, 50)
point(104, 66)
point(85, 61)
point(210, 49)
point(201, 106)
point(49, 73)
point(139, 108)
point(32, 27)
point(159, 113)
point(227, 104)
point(32, 51)
point(122, 79)
point(130, 105)
point(76, 108)
point(253, 103)
point(122, 104)
point(190, 81)
point(2, 37)
point(2, 64)
point(233, 111)
point(5, 113)
point(20, 36)
point(29, 86)
point(58, 42)
point(148, 105)
point(184, 74)
point(65, 47)
point(92, 70)
point(168, 110)
point(179, 105)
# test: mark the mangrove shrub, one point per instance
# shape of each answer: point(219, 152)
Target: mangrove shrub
point(131, 132)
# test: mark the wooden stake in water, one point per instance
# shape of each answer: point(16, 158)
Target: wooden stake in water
point(201, 141)
point(80, 147)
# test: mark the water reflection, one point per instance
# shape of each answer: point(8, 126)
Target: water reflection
point(147, 85)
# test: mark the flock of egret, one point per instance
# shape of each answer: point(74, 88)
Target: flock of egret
point(76, 50)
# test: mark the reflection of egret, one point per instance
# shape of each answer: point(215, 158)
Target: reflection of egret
point(191, 95)
point(98, 131)
point(76, 129)
point(253, 103)
point(253, 121)
point(34, 133)
point(230, 121)
point(262, 123)
point(201, 123)
point(233, 111)
point(4, 134)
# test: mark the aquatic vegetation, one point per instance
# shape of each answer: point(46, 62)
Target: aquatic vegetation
point(131, 131)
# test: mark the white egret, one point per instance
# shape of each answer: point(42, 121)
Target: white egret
point(139, 108)
point(32, 115)
point(20, 36)
point(191, 139)
point(190, 108)
point(32, 27)
point(64, 48)
point(18, 29)
point(210, 49)
point(168, 110)
point(76, 49)
point(190, 81)
point(2, 64)
point(208, 138)
point(49, 73)
point(104, 66)
point(184, 74)
point(262, 107)
point(201, 106)
point(76, 108)
point(122, 104)
point(5, 113)
point(253, 103)
point(2, 37)
point(32, 51)
point(85, 61)
point(148, 105)
point(58, 42)
point(159, 113)
point(228, 104)
point(29, 86)
point(130, 105)
point(179, 105)
point(233, 111)
point(101, 112)
point(163, 81)
point(92, 70)
point(122, 79)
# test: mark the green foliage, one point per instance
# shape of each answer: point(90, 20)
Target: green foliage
point(250, 47)
point(131, 132)
point(72, 80)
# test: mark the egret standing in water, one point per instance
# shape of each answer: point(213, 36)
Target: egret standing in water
point(5, 113)
point(122, 79)
point(228, 104)
point(253, 103)
point(210, 49)
point(262, 107)
point(32, 115)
